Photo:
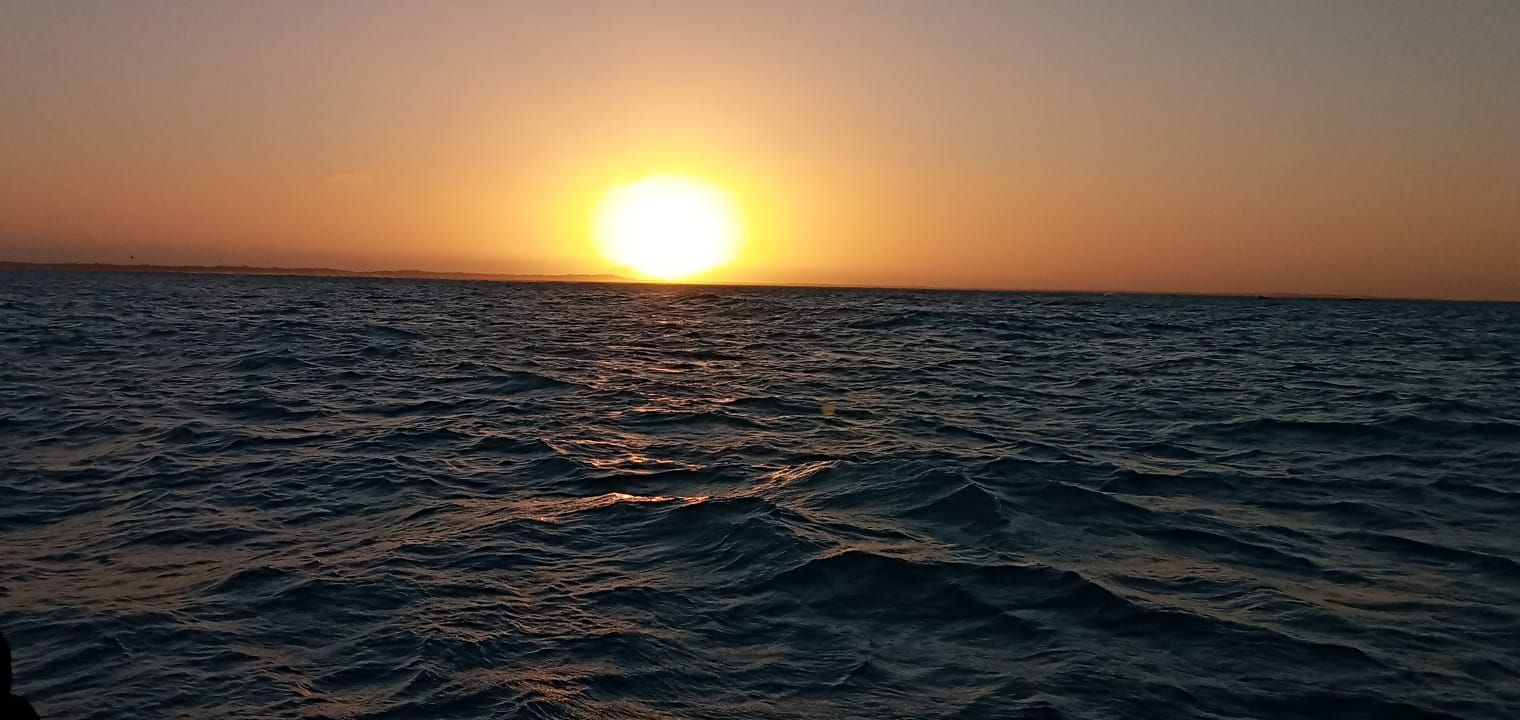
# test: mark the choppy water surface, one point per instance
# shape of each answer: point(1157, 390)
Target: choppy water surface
point(310, 497)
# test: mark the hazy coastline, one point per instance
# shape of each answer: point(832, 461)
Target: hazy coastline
point(307, 271)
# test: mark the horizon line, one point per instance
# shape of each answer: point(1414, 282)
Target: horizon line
point(412, 274)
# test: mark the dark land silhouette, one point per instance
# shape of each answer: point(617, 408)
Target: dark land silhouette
point(12, 707)
point(319, 272)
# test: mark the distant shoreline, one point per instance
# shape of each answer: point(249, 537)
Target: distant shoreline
point(308, 272)
point(608, 278)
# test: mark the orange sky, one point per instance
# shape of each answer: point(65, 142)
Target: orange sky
point(1345, 148)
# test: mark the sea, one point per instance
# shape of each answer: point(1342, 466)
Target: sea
point(306, 497)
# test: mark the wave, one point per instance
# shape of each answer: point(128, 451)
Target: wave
point(509, 383)
point(327, 497)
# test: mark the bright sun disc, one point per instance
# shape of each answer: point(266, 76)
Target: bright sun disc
point(667, 227)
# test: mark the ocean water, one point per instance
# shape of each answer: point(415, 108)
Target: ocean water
point(351, 498)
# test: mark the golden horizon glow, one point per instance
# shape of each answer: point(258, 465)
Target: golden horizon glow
point(668, 227)
point(1238, 148)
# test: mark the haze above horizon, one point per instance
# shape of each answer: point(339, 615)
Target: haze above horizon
point(1350, 148)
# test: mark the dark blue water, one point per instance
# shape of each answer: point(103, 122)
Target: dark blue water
point(349, 498)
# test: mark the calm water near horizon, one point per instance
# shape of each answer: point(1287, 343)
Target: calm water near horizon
point(227, 496)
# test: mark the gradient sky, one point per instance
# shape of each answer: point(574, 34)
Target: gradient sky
point(1306, 147)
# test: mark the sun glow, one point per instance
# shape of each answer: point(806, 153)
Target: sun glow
point(667, 227)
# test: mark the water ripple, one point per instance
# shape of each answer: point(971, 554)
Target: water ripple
point(353, 498)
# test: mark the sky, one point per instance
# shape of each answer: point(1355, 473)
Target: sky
point(1348, 148)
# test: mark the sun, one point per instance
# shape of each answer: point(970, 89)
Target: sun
point(667, 227)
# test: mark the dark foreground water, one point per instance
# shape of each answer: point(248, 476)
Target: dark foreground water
point(305, 497)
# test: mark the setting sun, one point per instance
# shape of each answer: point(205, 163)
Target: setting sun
point(667, 227)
